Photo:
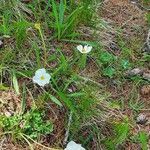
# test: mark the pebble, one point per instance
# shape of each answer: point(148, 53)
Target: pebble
point(141, 119)
point(1, 43)
point(135, 71)
point(146, 76)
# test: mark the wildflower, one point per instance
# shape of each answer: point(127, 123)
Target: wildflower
point(41, 77)
point(37, 26)
point(84, 49)
point(74, 146)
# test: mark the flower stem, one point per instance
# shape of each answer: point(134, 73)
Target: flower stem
point(44, 47)
point(83, 61)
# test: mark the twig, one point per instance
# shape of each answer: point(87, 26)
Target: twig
point(68, 128)
point(39, 143)
point(1, 143)
point(148, 39)
point(90, 80)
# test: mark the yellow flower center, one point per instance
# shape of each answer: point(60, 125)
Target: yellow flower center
point(37, 26)
point(42, 77)
point(83, 50)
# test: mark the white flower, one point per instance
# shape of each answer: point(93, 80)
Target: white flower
point(74, 146)
point(41, 77)
point(84, 49)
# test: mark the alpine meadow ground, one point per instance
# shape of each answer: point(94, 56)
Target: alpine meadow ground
point(74, 74)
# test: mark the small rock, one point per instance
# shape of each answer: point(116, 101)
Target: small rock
point(72, 88)
point(146, 76)
point(141, 119)
point(1, 43)
point(146, 49)
point(135, 71)
point(134, 1)
point(7, 114)
point(145, 90)
point(114, 46)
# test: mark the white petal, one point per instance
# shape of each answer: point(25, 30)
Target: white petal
point(47, 78)
point(40, 71)
point(41, 83)
point(38, 81)
point(35, 79)
point(71, 144)
point(80, 48)
point(74, 146)
point(86, 48)
point(89, 49)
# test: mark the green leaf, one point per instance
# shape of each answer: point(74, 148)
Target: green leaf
point(23, 103)
point(55, 13)
point(15, 83)
point(106, 57)
point(109, 71)
point(2, 87)
point(67, 101)
point(125, 64)
point(77, 94)
point(37, 54)
point(55, 100)
point(61, 12)
point(143, 138)
point(122, 131)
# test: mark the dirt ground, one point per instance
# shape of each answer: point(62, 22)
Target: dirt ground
point(131, 18)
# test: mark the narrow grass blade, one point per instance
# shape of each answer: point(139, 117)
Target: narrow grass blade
point(55, 13)
point(61, 12)
point(77, 94)
point(15, 83)
point(55, 100)
point(23, 103)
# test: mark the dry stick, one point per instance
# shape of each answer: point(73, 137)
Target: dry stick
point(148, 39)
point(44, 47)
point(1, 143)
point(40, 143)
point(127, 21)
point(68, 128)
point(30, 145)
point(38, 27)
point(139, 5)
point(90, 80)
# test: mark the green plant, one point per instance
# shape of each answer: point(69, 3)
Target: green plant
point(143, 139)
point(106, 58)
point(66, 20)
point(136, 105)
point(5, 26)
point(31, 123)
point(148, 18)
point(134, 102)
point(121, 132)
point(20, 28)
point(109, 71)
point(112, 65)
